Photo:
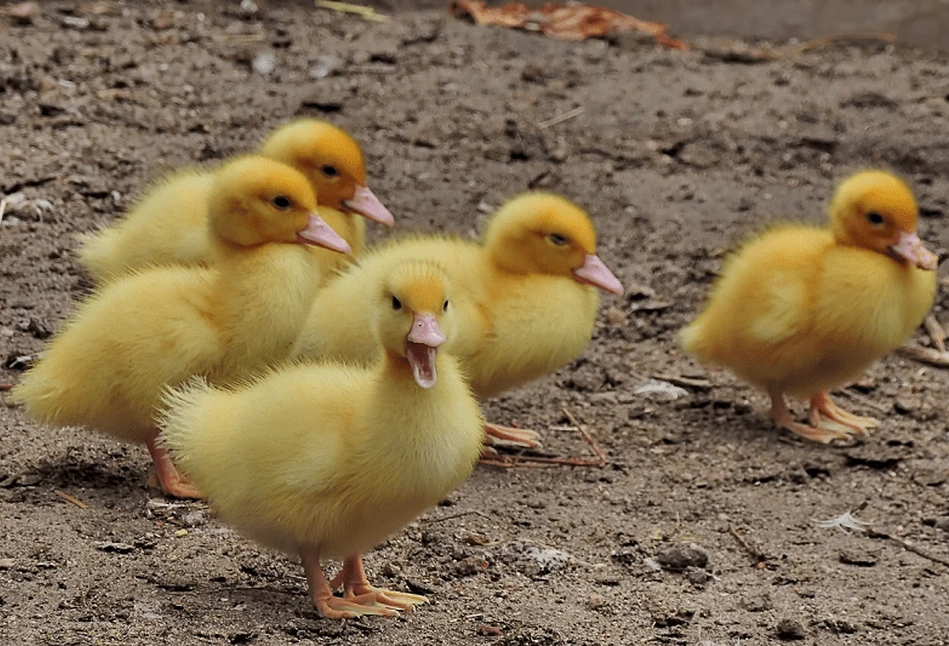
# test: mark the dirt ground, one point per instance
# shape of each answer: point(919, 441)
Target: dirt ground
point(701, 529)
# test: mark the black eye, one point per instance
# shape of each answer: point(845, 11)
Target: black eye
point(330, 171)
point(445, 307)
point(282, 202)
point(558, 239)
point(875, 218)
point(396, 303)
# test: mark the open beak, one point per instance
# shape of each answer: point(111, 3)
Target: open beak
point(910, 248)
point(594, 272)
point(318, 233)
point(367, 204)
point(421, 348)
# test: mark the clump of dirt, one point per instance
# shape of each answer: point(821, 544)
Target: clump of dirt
point(676, 154)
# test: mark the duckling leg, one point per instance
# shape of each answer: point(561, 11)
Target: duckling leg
point(356, 587)
point(169, 479)
point(506, 435)
point(782, 417)
point(321, 592)
point(822, 404)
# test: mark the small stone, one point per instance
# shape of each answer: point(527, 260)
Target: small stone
point(758, 603)
point(597, 601)
point(470, 566)
point(679, 557)
point(417, 587)
point(181, 532)
point(859, 559)
point(616, 317)
point(489, 630)
point(117, 548)
point(325, 66)
point(789, 630)
point(75, 22)
point(6, 564)
point(697, 576)
point(264, 63)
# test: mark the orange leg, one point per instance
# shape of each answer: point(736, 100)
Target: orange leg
point(822, 404)
point(356, 588)
point(169, 479)
point(507, 436)
point(782, 417)
point(321, 592)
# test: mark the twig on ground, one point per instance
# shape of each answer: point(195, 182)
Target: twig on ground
point(931, 356)
point(832, 39)
point(347, 7)
point(849, 521)
point(755, 553)
point(65, 496)
point(560, 118)
point(509, 461)
point(866, 401)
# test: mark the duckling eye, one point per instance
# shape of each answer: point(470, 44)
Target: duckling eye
point(445, 307)
point(875, 218)
point(282, 202)
point(330, 171)
point(396, 303)
point(558, 239)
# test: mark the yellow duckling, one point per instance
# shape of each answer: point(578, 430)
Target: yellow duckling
point(327, 460)
point(169, 223)
point(107, 368)
point(528, 297)
point(800, 310)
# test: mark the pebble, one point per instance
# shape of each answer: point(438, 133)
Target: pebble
point(789, 630)
point(679, 557)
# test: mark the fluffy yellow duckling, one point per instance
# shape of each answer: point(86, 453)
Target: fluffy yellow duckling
point(169, 224)
point(800, 310)
point(107, 368)
point(528, 297)
point(327, 460)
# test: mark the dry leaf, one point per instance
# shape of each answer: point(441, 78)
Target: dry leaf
point(569, 22)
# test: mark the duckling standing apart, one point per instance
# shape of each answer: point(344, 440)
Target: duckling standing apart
point(169, 224)
point(528, 294)
point(327, 460)
point(107, 368)
point(801, 310)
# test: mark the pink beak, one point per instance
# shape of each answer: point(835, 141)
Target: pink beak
point(425, 331)
point(594, 272)
point(910, 248)
point(318, 233)
point(367, 204)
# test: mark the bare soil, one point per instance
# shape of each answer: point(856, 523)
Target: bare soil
point(701, 529)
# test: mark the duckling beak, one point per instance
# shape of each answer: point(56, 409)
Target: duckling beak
point(318, 233)
point(910, 248)
point(421, 348)
point(367, 204)
point(594, 272)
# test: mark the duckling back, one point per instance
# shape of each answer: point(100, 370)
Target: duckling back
point(167, 225)
point(107, 368)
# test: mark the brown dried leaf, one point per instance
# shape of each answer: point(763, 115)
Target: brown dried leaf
point(568, 22)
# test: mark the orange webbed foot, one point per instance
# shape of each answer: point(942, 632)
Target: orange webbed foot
point(167, 476)
point(823, 405)
point(822, 434)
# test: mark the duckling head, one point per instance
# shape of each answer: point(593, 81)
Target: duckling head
point(256, 200)
point(332, 160)
point(876, 210)
point(547, 234)
point(415, 316)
